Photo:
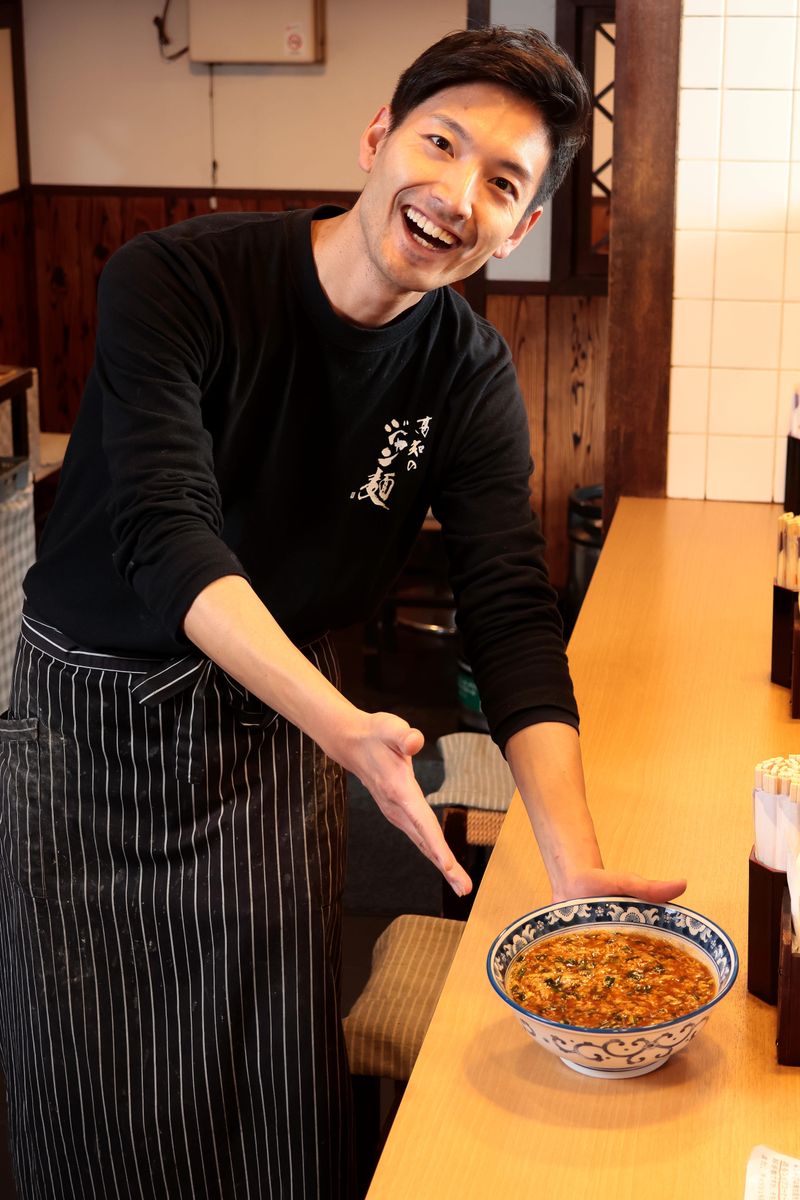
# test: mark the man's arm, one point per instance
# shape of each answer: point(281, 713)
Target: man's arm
point(545, 760)
point(229, 623)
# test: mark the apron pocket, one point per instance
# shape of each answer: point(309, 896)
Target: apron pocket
point(24, 730)
point(33, 849)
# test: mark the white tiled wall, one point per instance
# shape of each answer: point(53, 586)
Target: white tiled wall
point(736, 315)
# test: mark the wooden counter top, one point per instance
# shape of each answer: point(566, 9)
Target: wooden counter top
point(671, 660)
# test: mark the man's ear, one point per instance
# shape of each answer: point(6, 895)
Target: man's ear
point(372, 137)
point(526, 224)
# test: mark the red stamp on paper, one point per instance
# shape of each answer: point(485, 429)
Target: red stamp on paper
point(293, 40)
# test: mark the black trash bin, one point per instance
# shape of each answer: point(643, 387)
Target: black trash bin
point(585, 534)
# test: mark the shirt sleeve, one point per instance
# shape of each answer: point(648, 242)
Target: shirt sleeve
point(159, 337)
point(505, 606)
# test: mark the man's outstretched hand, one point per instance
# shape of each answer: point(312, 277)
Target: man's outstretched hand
point(379, 751)
point(229, 623)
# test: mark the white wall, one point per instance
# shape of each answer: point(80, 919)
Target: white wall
point(736, 313)
point(104, 109)
point(9, 171)
point(531, 260)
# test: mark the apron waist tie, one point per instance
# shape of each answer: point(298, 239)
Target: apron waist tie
point(190, 679)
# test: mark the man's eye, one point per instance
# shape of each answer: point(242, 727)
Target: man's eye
point(440, 142)
point(505, 185)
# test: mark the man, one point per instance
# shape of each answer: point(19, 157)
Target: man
point(275, 403)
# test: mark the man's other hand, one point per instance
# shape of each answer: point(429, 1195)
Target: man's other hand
point(596, 881)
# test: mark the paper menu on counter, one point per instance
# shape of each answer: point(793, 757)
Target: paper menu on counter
point(772, 1176)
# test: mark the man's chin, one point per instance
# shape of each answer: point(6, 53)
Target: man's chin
point(411, 272)
point(422, 280)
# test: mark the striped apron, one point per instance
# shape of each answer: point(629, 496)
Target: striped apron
point(171, 868)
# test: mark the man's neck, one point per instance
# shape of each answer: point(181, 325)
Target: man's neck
point(354, 289)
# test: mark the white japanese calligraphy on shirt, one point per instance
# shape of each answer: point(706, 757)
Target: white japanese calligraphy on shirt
point(403, 445)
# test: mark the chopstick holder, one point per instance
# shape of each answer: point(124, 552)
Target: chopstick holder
point(773, 915)
point(766, 887)
point(791, 491)
point(784, 606)
point(794, 690)
point(793, 887)
point(788, 1041)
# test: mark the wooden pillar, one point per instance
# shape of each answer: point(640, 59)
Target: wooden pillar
point(642, 247)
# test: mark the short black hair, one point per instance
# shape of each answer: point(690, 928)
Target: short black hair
point(526, 62)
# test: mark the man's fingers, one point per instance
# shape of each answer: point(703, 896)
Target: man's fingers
point(442, 857)
point(657, 890)
point(449, 866)
point(402, 802)
point(412, 742)
point(460, 881)
point(611, 883)
point(396, 734)
point(425, 831)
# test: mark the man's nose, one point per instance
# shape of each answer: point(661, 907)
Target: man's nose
point(455, 190)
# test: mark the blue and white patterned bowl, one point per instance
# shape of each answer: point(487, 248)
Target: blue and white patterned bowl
point(615, 1053)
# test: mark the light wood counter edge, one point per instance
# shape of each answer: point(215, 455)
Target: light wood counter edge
point(485, 1107)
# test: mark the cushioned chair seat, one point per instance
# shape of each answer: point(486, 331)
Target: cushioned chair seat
point(386, 1025)
point(475, 773)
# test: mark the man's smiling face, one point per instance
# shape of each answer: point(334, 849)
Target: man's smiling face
point(451, 185)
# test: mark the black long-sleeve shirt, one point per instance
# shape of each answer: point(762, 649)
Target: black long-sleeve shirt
point(234, 424)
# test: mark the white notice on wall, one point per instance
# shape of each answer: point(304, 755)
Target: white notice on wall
point(772, 1176)
point(294, 40)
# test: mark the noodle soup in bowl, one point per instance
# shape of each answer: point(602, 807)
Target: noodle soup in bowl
point(614, 986)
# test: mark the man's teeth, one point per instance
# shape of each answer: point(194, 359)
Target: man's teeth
point(428, 227)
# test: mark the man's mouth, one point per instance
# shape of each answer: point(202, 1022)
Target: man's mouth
point(426, 233)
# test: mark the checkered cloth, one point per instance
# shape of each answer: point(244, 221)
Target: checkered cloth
point(17, 552)
point(386, 1025)
point(475, 773)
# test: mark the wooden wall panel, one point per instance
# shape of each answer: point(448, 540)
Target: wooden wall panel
point(559, 349)
point(522, 320)
point(576, 396)
point(16, 336)
point(75, 235)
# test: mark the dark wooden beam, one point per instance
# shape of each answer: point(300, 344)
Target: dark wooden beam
point(22, 286)
point(642, 242)
point(478, 13)
point(11, 18)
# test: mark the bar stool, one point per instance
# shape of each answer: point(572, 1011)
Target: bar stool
point(385, 1027)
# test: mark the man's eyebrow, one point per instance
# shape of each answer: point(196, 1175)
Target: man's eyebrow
point(506, 164)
